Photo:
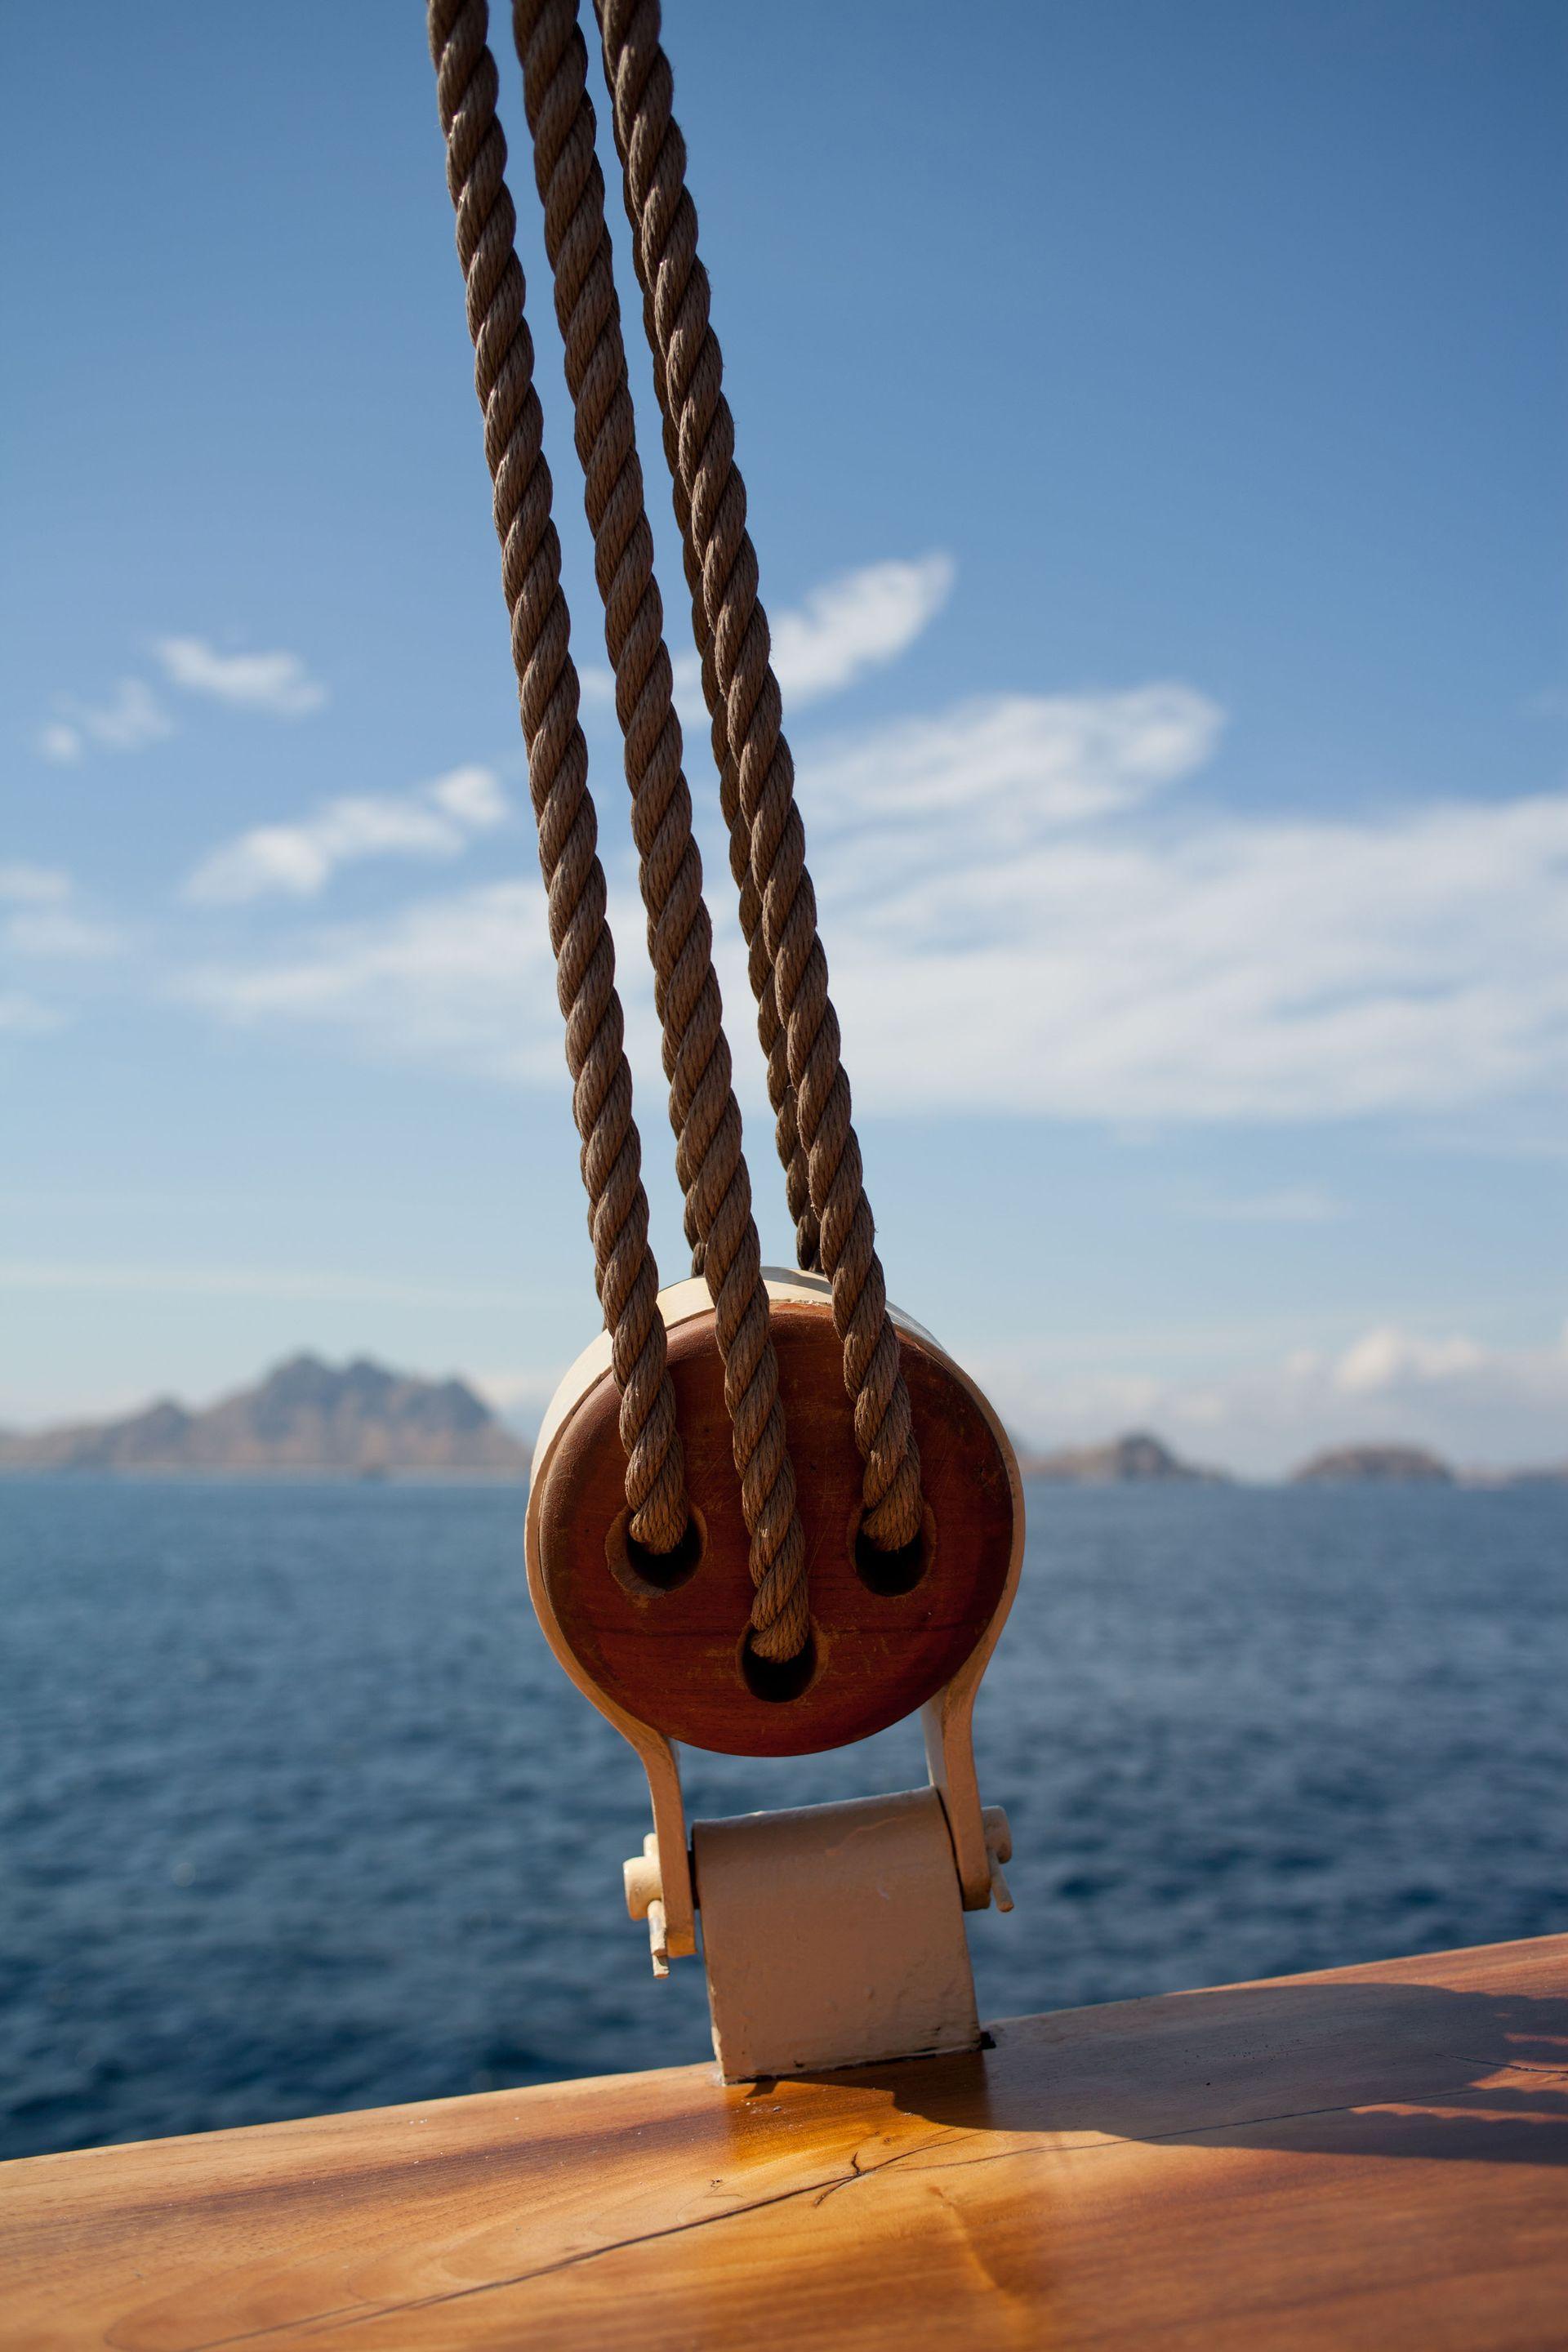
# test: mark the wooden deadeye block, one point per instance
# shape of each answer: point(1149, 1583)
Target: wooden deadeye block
point(660, 1647)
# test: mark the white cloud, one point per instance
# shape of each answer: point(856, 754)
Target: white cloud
point(34, 885)
point(61, 743)
point(473, 796)
point(988, 777)
point(856, 623)
point(1473, 1401)
point(436, 819)
point(131, 719)
point(1478, 1406)
point(41, 922)
point(56, 931)
point(299, 859)
point(21, 1015)
point(1292, 1204)
point(1014, 923)
point(134, 719)
point(241, 1282)
point(861, 621)
point(1206, 966)
point(277, 683)
point(468, 978)
point(1387, 1360)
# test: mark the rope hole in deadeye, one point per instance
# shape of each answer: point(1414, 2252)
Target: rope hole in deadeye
point(778, 1680)
point(645, 1574)
point(890, 1574)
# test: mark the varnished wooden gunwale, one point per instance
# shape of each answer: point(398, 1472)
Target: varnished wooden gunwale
point(1373, 2157)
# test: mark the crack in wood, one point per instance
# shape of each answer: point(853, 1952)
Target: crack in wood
point(819, 2191)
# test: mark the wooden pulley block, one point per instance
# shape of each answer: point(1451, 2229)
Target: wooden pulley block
point(662, 1646)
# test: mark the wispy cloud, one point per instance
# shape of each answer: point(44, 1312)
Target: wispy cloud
point(135, 715)
point(1387, 1360)
point(128, 720)
point(278, 683)
point(297, 860)
point(1020, 916)
point(59, 742)
point(39, 921)
point(57, 931)
point(1203, 966)
point(856, 623)
point(988, 777)
point(21, 1015)
point(34, 885)
point(1474, 1403)
point(239, 1282)
point(472, 796)
point(1291, 1204)
point(29, 893)
point(467, 979)
point(132, 717)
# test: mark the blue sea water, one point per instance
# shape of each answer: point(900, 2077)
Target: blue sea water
point(298, 1812)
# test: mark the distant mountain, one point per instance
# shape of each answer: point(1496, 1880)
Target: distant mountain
point(1134, 1460)
point(305, 1417)
point(1374, 1466)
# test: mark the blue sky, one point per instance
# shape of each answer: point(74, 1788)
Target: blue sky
point(1154, 425)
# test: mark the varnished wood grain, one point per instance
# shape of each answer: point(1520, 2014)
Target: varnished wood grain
point(673, 1658)
point(1372, 2160)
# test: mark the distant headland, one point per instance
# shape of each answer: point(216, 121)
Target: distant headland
point(305, 1419)
point(1139, 1459)
point(309, 1419)
point(1135, 1460)
point(1374, 1466)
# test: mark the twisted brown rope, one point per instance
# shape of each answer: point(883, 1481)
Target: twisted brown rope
point(759, 970)
point(625, 1272)
point(689, 371)
point(703, 1107)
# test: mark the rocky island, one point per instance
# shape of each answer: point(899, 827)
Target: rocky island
point(1374, 1466)
point(1136, 1459)
point(307, 1419)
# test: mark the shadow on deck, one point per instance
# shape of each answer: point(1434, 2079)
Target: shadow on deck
point(1372, 2069)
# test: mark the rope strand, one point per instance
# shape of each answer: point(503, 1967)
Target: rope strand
point(689, 375)
point(759, 970)
point(611, 1159)
point(709, 1159)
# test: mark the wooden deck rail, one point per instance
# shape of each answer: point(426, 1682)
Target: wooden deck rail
point(1373, 2157)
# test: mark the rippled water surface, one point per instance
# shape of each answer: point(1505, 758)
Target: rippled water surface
point(299, 1812)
